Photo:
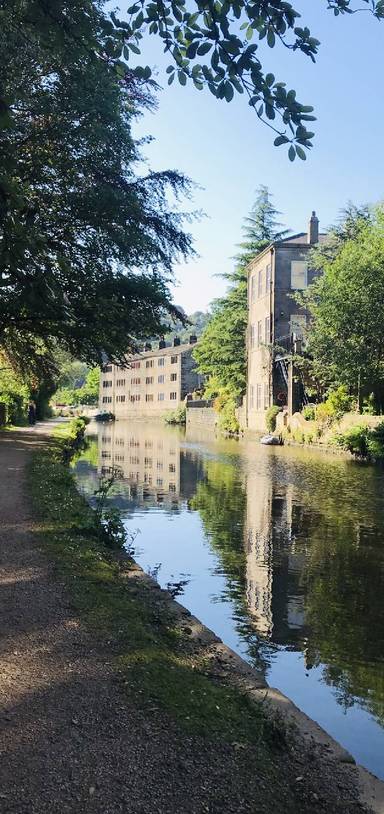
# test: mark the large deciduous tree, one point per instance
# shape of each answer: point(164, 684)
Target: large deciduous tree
point(346, 334)
point(221, 351)
point(87, 245)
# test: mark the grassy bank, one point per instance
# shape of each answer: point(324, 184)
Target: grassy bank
point(158, 665)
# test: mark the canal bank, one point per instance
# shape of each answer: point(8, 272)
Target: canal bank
point(88, 722)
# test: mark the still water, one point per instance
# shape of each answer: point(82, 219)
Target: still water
point(282, 554)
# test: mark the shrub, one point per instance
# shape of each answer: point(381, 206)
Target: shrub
point(270, 417)
point(340, 401)
point(375, 443)
point(355, 441)
point(309, 412)
point(178, 416)
point(324, 413)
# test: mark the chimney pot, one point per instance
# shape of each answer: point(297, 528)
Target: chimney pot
point(313, 229)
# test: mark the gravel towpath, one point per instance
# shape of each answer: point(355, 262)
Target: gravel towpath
point(69, 740)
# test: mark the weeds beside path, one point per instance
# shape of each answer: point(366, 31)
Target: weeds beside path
point(104, 707)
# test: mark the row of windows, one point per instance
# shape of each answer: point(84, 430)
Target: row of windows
point(150, 379)
point(160, 361)
point(120, 398)
point(120, 382)
point(107, 384)
point(263, 282)
point(148, 463)
point(107, 399)
point(259, 396)
point(256, 333)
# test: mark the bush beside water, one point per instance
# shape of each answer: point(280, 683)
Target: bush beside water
point(270, 417)
point(363, 442)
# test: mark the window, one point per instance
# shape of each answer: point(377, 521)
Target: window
point(107, 399)
point(161, 379)
point(148, 463)
point(267, 330)
point(119, 457)
point(149, 380)
point(253, 288)
point(260, 284)
point(135, 380)
point(259, 333)
point(252, 336)
point(149, 363)
point(258, 397)
point(251, 397)
point(173, 396)
point(148, 445)
point(172, 487)
point(135, 365)
point(120, 398)
point(161, 361)
point(173, 377)
point(266, 396)
point(107, 369)
point(159, 481)
point(136, 397)
point(159, 465)
point(107, 384)
point(268, 271)
point(160, 396)
point(173, 360)
point(120, 382)
point(299, 274)
point(298, 324)
point(133, 459)
point(149, 396)
point(172, 468)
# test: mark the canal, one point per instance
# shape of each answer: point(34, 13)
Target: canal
point(280, 551)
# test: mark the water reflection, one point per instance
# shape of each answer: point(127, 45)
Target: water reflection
point(286, 555)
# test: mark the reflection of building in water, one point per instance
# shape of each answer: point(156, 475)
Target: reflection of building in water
point(274, 594)
point(150, 459)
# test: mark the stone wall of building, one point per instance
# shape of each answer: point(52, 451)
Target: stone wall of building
point(201, 415)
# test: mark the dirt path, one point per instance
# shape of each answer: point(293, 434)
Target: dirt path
point(69, 741)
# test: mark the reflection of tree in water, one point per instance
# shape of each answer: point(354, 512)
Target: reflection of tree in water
point(344, 584)
point(343, 579)
point(332, 533)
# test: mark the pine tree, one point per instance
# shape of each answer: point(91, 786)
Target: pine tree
point(221, 351)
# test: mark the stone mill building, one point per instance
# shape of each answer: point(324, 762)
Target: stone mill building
point(155, 381)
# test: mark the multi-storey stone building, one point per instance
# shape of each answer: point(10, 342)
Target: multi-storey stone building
point(275, 320)
point(153, 382)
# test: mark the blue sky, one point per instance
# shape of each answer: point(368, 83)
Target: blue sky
point(225, 150)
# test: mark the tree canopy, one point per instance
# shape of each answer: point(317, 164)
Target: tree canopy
point(346, 334)
point(215, 44)
point(87, 245)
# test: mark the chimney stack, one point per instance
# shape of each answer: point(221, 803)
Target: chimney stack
point(176, 342)
point(192, 339)
point(147, 346)
point(161, 344)
point(313, 229)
